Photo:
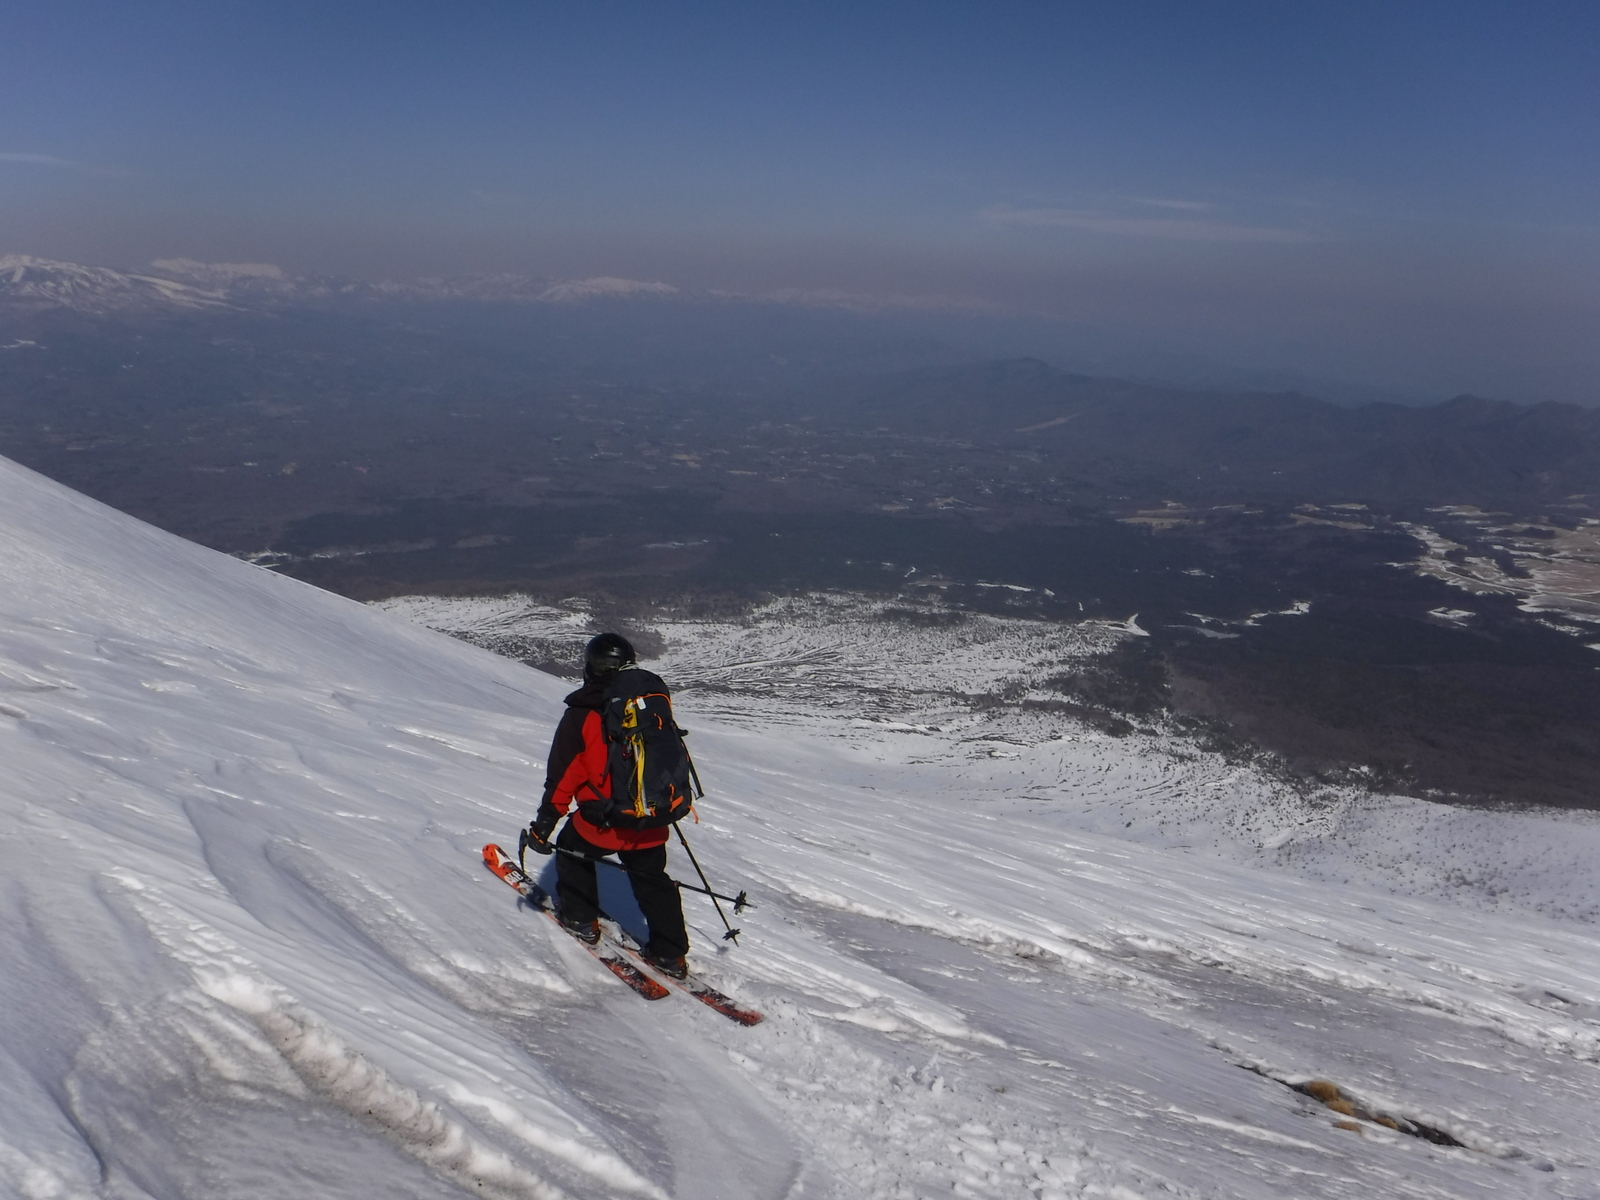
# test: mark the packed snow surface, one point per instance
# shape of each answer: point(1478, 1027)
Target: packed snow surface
point(249, 949)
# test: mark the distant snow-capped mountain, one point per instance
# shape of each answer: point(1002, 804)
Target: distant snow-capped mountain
point(605, 287)
point(509, 288)
point(29, 282)
point(227, 277)
point(40, 283)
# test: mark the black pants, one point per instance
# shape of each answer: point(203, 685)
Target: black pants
point(657, 895)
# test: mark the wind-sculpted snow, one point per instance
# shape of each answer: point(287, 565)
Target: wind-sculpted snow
point(247, 948)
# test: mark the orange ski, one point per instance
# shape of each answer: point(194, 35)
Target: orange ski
point(503, 865)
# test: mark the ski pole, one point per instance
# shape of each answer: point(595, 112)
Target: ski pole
point(733, 934)
point(739, 902)
point(700, 792)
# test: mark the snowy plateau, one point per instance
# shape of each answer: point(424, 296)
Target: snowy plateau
point(249, 949)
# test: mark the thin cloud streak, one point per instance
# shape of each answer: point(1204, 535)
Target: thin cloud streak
point(1175, 229)
point(1183, 205)
point(50, 160)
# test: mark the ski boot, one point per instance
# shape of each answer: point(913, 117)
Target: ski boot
point(674, 966)
point(587, 931)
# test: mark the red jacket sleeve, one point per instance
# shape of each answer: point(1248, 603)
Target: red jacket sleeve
point(585, 777)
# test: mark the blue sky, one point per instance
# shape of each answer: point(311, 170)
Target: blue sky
point(1376, 190)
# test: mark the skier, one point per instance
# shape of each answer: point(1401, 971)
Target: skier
point(577, 773)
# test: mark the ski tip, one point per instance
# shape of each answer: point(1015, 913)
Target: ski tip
point(492, 854)
point(727, 1007)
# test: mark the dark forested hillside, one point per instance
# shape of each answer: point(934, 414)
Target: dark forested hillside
point(1111, 433)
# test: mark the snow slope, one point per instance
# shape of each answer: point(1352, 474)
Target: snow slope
point(249, 950)
point(964, 699)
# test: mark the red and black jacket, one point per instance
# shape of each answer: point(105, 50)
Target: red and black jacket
point(577, 771)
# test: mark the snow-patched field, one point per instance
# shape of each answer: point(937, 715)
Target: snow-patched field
point(1559, 568)
point(249, 951)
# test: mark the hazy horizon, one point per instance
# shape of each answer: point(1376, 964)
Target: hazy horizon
point(1404, 199)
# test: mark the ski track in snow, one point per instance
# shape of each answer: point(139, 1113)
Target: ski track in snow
point(250, 950)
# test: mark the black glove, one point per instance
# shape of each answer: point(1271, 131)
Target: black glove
point(543, 826)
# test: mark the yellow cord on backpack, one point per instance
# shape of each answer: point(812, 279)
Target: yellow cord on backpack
point(638, 777)
point(630, 721)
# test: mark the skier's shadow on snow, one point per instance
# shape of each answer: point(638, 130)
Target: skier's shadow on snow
point(616, 897)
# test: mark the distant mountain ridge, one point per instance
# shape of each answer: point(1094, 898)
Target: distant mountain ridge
point(35, 283)
point(1210, 443)
point(176, 284)
point(827, 330)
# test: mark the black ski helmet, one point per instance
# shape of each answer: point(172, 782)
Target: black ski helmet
point(604, 656)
